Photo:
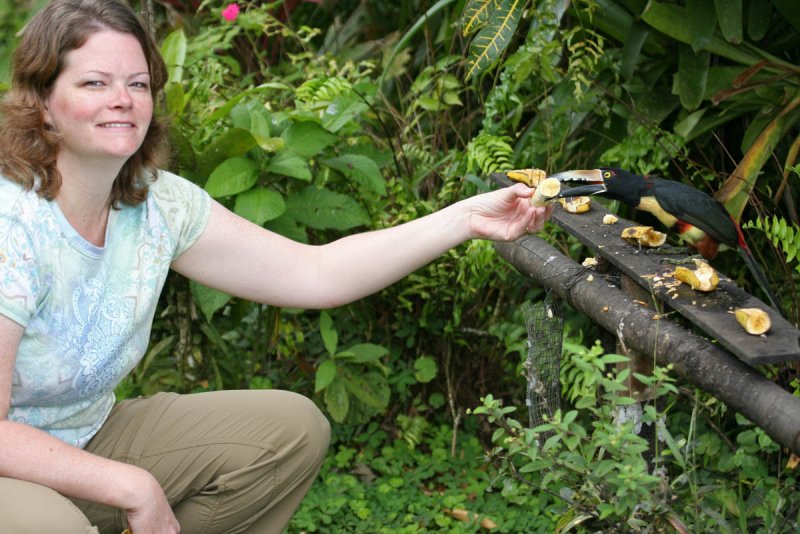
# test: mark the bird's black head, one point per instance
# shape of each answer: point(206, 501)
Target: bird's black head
point(609, 182)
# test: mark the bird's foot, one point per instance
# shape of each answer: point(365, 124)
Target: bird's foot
point(688, 260)
point(667, 250)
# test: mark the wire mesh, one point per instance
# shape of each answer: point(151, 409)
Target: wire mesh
point(545, 324)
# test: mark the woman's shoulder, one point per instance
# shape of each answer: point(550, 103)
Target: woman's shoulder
point(185, 206)
point(9, 188)
point(17, 202)
point(167, 185)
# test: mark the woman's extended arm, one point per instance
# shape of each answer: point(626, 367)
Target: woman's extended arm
point(243, 259)
point(34, 455)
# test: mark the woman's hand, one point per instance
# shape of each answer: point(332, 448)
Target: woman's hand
point(506, 214)
point(150, 512)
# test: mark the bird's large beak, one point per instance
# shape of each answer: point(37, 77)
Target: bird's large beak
point(593, 177)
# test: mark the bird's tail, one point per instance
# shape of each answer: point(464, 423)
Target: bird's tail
point(761, 279)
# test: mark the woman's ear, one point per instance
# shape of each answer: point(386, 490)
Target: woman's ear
point(48, 123)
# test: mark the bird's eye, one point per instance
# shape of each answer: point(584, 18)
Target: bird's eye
point(607, 174)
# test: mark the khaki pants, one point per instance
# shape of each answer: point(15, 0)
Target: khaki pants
point(229, 461)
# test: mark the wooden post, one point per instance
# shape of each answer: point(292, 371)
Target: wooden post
point(694, 358)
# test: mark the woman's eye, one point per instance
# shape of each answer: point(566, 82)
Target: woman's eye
point(93, 83)
point(140, 85)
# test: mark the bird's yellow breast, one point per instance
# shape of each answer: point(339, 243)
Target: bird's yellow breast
point(650, 205)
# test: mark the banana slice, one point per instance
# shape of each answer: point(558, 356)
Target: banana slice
point(644, 235)
point(754, 320)
point(703, 278)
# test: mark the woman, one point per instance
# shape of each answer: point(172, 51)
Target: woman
point(88, 231)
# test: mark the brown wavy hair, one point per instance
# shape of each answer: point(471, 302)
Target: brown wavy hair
point(28, 147)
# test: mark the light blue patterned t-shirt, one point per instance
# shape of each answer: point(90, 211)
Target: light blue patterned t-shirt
point(87, 310)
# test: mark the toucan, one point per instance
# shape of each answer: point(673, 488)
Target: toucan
point(700, 220)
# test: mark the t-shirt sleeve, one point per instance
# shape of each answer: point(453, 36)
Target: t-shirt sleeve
point(19, 280)
point(185, 207)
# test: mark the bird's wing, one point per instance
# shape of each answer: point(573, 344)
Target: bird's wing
point(697, 208)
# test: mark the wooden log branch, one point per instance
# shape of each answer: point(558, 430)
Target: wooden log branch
point(694, 358)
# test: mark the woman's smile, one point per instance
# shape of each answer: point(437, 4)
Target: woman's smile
point(101, 104)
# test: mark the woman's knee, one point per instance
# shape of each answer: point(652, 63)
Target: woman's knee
point(305, 420)
point(26, 507)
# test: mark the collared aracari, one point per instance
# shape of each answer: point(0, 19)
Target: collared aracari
point(700, 220)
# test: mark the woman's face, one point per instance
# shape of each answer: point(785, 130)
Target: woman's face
point(101, 103)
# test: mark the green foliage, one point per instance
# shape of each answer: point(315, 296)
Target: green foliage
point(380, 486)
point(784, 235)
point(352, 374)
point(13, 17)
point(592, 464)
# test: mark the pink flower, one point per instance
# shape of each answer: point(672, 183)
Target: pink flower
point(230, 12)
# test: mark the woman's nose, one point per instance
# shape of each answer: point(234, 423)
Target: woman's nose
point(121, 97)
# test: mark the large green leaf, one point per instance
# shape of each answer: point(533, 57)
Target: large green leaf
point(326, 372)
point(692, 76)
point(492, 40)
point(307, 138)
point(702, 21)
point(631, 51)
point(323, 209)
point(729, 16)
point(232, 176)
point(233, 142)
point(209, 300)
point(173, 50)
point(363, 353)
point(330, 338)
point(288, 163)
point(361, 170)
point(371, 388)
point(260, 205)
point(671, 19)
point(342, 110)
point(759, 15)
point(337, 401)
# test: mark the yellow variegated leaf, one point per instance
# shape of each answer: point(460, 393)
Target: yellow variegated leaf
point(494, 37)
point(476, 13)
point(735, 192)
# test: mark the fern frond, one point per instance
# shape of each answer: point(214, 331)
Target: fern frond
point(783, 235)
point(490, 153)
point(322, 90)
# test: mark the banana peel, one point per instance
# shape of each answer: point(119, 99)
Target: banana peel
point(546, 188)
point(545, 192)
point(644, 236)
point(754, 320)
point(702, 278)
point(576, 204)
point(529, 177)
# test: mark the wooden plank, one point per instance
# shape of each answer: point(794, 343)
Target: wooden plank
point(711, 312)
